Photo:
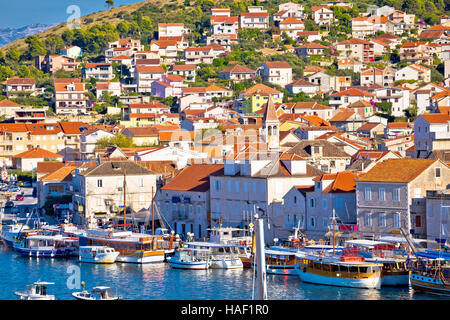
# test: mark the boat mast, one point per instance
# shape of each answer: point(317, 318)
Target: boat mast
point(124, 199)
point(334, 232)
point(153, 217)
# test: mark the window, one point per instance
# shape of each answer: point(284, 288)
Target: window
point(245, 186)
point(237, 185)
point(141, 197)
point(367, 193)
point(312, 203)
point(174, 207)
point(229, 185)
point(437, 172)
point(263, 187)
point(312, 222)
point(418, 221)
point(368, 219)
point(99, 201)
point(382, 220)
point(100, 183)
point(381, 194)
point(325, 223)
point(167, 207)
point(216, 185)
point(396, 220)
point(141, 182)
point(325, 203)
point(254, 186)
point(396, 194)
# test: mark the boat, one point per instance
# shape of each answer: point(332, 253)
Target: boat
point(97, 254)
point(36, 291)
point(280, 262)
point(223, 256)
point(431, 272)
point(133, 247)
point(344, 271)
point(394, 271)
point(97, 293)
point(44, 246)
point(10, 233)
point(190, 258)
point(234, 237)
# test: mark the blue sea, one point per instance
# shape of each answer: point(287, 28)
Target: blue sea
point(160, 282)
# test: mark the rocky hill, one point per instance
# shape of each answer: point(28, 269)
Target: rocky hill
point(8, 35)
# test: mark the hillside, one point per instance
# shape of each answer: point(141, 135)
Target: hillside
point(106, 16)
point(8, 35)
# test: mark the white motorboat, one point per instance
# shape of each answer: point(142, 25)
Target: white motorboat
point(97, 293)
point(10, 233)
point(190, 258)
point(36, 291)
point(223, 256)
point(98, 254)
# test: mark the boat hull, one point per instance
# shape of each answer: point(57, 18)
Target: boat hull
point(395, 280)
point(188, 265)
point(100, 258)
point(141, 258)
point(364, 283)
point(429, 284)
point(233, 263)
point(24, 296)
point(8, 243)
point(41, 253)
point(283, 271)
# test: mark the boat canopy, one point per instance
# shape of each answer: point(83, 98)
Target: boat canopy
point(433, 254)
point(279, 252)
point(365, 243)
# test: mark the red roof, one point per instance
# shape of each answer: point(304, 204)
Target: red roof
point(37, 153)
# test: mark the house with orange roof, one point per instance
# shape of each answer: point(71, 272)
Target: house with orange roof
point(371, 130)
point(185, 200)
point(332, 193)
point(224, 29)
point(288, 10)
point(432, 132)
point(399, 98)
point(364, 160)
point(312, 69)
point(276, 72)
point(113, 88)
point(301, 85)
point(414, 52)
point(172, 30)
point(69, 96)
point(347, 121)
point(71, 51)
point(362, 107)
point(292, 26)
point(345, 97)
point(27, 161)
point(396, 129)
point(254, 98)
point(392, 195)
point(55, 184)
point(356, 49)
point(362, 27)
point(145, 75)
point(132, 44)
point(414, 72)
point(237, 73)
point(165, 48)
point(15, 87)
point(169, 86)
point(52, 63)
point(255, 17)
point(424, 96)
point(381, 76)
point(322, 15)
point(347, 63)
point(310, 49)
point(327, 83)
point(8, 108)
point(187, 71)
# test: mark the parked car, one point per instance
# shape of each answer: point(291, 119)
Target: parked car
point(14, 189)
point(20, 197)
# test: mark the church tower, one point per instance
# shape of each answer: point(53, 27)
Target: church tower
point(271, 126)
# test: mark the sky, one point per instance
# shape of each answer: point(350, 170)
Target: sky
point(19, 13)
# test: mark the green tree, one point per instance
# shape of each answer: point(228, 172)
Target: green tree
point(109, 3)
point(118, 140)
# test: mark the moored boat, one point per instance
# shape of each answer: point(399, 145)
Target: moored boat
point(97, 293)
point(280, 262)
point(133, 247)
point(191, 259)
point(431, 272)
point(44, 246)
point(338, 271)
point(223, 256)
point(36, 291)
point(97, 254)
point(11, 232)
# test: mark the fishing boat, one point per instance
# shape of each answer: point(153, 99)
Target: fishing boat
point(223, 256)
point(190, 258)
point(133, 247)
point(394, 271)
point(97, 254)
point(97, 293)
point(10, 233)
point(280, 262)
point(36, 291)
point(431, 272)
point(44, 246)
point(338, 271)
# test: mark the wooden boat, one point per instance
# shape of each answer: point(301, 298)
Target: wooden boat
point(133, 247)
point(191, 259)
point(394, 271)
point(11, 232)
point(223, 256)
point(280, 262)
point(97, 254)
point(431, 272)
point(97, 293)
point(36, 291)
point(338, 271)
